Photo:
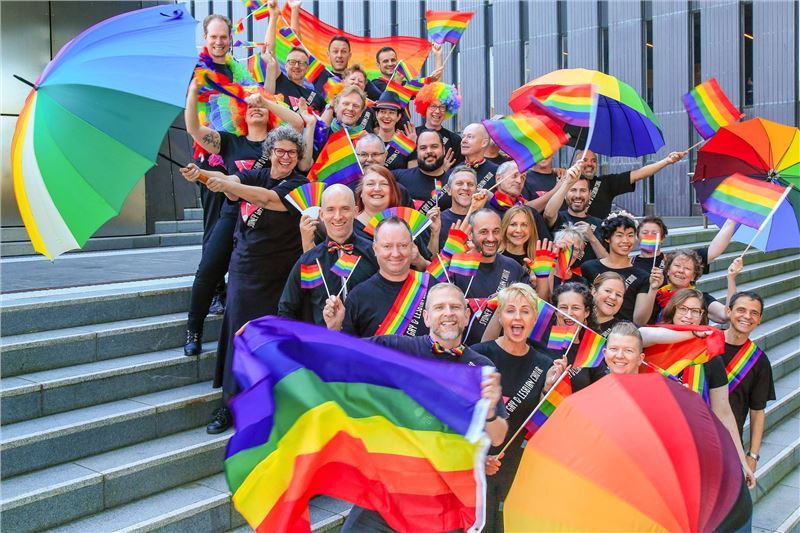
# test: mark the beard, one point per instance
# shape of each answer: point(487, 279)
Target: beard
point(423, 166)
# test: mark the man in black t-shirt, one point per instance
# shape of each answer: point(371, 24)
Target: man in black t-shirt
point(420, 181)
point(750, 393)
point(461, 185)
point(607, 187)
point(339, 55)
point(575, 188)
point(540, 178)
point(474, 141)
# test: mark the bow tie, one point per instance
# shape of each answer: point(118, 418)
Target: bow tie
point(334, 246)
point(441, 350)
point(477, 163)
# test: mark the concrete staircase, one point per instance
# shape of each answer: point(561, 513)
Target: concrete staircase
point(103, 417)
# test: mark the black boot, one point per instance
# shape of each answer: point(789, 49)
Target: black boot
point(194, 343)
point(222, 420)
point(217, 306)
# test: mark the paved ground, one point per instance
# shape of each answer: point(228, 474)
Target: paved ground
point(30, 273)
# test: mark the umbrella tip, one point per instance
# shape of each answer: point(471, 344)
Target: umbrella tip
point(26, 82)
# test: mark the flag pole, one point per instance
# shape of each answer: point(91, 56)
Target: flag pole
point(344, 284)
point(323, 278)
point(452, 49)
point(527, 419)
point(769, 217)
point(443, 267)
point(655, 253)
point(468, 285)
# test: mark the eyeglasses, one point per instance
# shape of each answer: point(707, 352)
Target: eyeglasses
point(369, 155)
point(296, 63)
point(437, 107)
point(280, 152)
point(694, 312)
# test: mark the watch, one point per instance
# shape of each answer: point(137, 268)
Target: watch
point(753, 456)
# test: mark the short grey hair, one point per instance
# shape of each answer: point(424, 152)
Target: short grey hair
point(627, 329)
point(508, 166)
point(462, 169)
point(471, 219)
point(370, 138)
point(443, 286)
point(284, 132)
point(569, 230)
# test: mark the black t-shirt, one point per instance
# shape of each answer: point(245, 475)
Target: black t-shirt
point(307, 304)
point(448, 219)
point(375, 88)
point(714, 370)
point(579, 377)
point(490, 279)
point(543, 232)
point(637, 281)
point(395, 160)
point(239, 154)
point(537, 184)
point(519, 258)
point(292, 92)
point(565, 217)
point(420, 185)
point(604, 189)
point(268, 242)
point(499, 159)
point(604, 328)
point(755, 389)
point(369, 303)
point(450, 139)
point(487, 174)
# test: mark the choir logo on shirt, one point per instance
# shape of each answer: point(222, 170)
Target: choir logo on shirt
point(244, 164)
point(250, 213)
point(629, 281)
point(524, 390)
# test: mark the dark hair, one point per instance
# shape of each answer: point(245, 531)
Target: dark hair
point(437, 132)
point(690, 254)
point(653, 220)
point(339, 38)
point(583, 291)
point(395, 221)
point(394, 190)
point(298, 49)
point(223, 18)
point(747, 294)
point(677, 299)
point(382, 50)
point(612, 223)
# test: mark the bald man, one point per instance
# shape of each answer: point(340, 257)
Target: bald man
point(337, 214)
point(474, 142)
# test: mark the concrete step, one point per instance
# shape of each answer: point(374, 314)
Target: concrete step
point(46, 350)
point(53, 391)
point(97, 244)
point(785, 358)
point(179, 226)
point(781, 271)
point(778, 511)
point(694, 235)
point(34, 311)
point(752, 257)
point(50, 440)
point(772, 333)
point(53, 496)
point(193, 213)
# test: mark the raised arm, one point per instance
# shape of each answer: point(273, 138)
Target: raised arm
point(643, 308)
point(648, 170)
point(721, 240)
point(207, 138)
point(268, 50)
point(295, 22)
point(310, 120)
point(282, 112)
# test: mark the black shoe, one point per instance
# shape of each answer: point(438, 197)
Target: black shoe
point(222, 421)
point(217, 306)
point(194, 343)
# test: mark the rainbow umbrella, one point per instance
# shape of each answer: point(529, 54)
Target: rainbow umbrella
point(759, 149)
point(629, 453)
point(624, 124)
point(94, 122)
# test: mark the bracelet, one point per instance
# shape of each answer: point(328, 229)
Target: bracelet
point(754, 456)
point(491, 419)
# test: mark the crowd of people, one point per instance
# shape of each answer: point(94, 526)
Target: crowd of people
point(510, 217)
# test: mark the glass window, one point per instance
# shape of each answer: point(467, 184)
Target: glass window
point(747, 53)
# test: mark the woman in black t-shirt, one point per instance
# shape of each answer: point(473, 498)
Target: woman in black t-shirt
point(518, 234)
point(525, 374)
point(608, 292)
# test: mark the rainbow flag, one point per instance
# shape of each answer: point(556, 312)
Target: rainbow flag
point(709, 109)
point(310, 276)
point(675, 357)
point(402, 311)
point(504, 201)
point(261, 13)
point(543, 263)
point(648, 243)
point(526, 138)
point(402, 143)
point(551, 400)
point(590, 351)
point(404, 92)
point(305, 196)
point(694, 377)
point(465, 264)
point(315, 69)
point(337, 162)
point(560, 337)
point(746, 200)
point(252, 4)
point(438, 269)
point(366, 424)
point(345, 265)
point(317, 34)
point(239, 26)
point(572, 104)
point(742, 362)
point(544, 316)
point(405, 70)
point(447, 26)
point(564, 258)
point(415, 220)
point(456, 243)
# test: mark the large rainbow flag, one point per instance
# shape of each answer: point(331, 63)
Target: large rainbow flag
point(337, 162)
point(675, 357)
point(527, 138)
point(387, 431)
point(709, 109)
point(746, 200)
point(572, 104)
point(316, 35)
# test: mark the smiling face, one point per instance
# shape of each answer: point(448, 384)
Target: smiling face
point(681, 272)
point(387, 61)
point(518, 231)
point(257, 116)
point(517, 318)
point(689, 312)
point(339, 55)
point(348, 109)
point(370, 153)
point(589, 164)
point(218, 40)
point(434, 115)
point(461, 188)
point(572, 304)
point(296, 66)
point(392, 248)
point(445, 314)
point(578, 196)
point(486, 233)
point(283, 158)
point(745, 315)
point(387, 118)
point(623, 354)
point(357, 79)
point(430, 151)
point(512, 182)
point(375, 192)
point(622, 240)
point(338, 212)
point(608, 297)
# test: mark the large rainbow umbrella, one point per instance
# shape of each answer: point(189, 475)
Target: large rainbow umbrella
point(624, 124)
point(760, 149)
point(629, 453)
point(94, 122)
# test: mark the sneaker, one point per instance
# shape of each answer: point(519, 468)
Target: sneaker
point(217, 306)
point(194, 343)
point(220, 422)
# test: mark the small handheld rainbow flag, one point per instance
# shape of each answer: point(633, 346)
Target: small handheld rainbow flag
point(465, 264)
point(438, 269)
point(402, 311)
point(590, 351)
point(252, 4)
point(239, 26)
point(572, 104)
point(305, 196)
point(544, 317)
point(709, 109)
point(345, 265)
point(543, 263)
point(257, 67)
point(310, 276)
point(564, 258)
point(403, 91)
point(648, 243)
point(551, 400)
point(456, 243)
point(746, 200)
point(402, 143)
point(694, 377)
point(337, 162)
point(261, 13)
point(416, 220)
point(526, 138)
point(560, 337)
point(315, 69)
point(447, 26)
point(742, 362)
point(405, 70)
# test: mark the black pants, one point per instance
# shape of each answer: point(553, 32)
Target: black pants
point(217, 250)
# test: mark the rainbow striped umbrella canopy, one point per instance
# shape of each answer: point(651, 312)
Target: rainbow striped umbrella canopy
point(624, 124)
point(94, 122)
point(629, 453)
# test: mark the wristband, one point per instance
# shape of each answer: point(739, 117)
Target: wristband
point(543, 263)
